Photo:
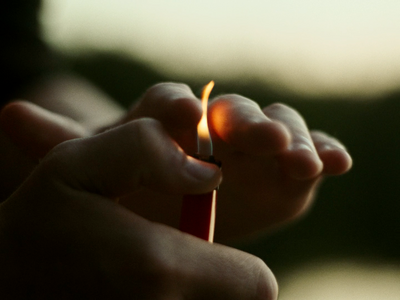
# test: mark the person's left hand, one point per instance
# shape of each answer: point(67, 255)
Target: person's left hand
point(62, 235)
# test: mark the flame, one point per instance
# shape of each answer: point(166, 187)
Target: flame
point(202, 128)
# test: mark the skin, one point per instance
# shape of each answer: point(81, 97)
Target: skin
point(67, 212)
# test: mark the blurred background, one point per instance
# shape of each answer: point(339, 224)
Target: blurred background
point(336, 62)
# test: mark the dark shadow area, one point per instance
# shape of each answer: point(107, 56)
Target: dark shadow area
point(355, 216)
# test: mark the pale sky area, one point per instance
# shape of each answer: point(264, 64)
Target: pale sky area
point(309, 46)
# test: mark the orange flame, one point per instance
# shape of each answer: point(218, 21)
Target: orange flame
point(204, 139)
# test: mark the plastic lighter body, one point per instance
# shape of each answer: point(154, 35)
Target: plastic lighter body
point(198, 211)
point(198, 215)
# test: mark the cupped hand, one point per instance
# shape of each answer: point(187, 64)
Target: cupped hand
point(63, 235)
point(272, 163)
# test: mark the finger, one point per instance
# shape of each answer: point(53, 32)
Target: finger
point(218, 272)
point(190, 268)
point(173, 104)
point(138, 154)
point(239, 122)
point(37, 130)
point(176, 107)
point(132, 256)
point(301, 160)
point(332, 153)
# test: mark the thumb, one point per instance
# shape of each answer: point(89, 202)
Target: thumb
point(35, 129)
point(218, 272)
point(126, 158)
point(184, 267)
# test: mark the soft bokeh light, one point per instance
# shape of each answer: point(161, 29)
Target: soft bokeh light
point(309, 46)
point(343, 280)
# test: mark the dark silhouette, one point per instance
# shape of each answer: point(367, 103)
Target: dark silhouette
point(356, 216)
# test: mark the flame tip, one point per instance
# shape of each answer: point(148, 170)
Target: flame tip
point(202, 128)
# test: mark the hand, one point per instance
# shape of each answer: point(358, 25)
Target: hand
point(63, 235)
point(271, 162)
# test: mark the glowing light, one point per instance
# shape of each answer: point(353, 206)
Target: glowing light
point(204, 145)
point(212, 217)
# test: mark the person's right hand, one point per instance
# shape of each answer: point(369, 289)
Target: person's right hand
point(64, 237)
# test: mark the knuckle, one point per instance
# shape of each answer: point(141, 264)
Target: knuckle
point(284, 110)
point(235, 102)
point(144, 133)
point(56, 166)
point(155, 88)
point(159, 89)
point(166, 101)
point(279, 107)
point(59, 157)
point(152, 147)
point(318, 135)
point(181, 86)
point(225, 98)
point(232, 98)
point(180, 103)
point(142, 126)
point(152, 94)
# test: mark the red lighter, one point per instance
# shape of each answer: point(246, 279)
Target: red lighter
point(198, 211)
